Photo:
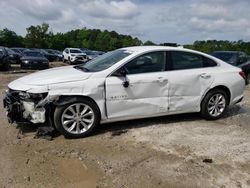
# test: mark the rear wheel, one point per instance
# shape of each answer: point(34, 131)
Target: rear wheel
point(214, 104)
point(77, 119)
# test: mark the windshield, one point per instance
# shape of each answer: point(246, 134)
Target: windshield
point(105, 61)
point(75, 51)
point(227, 57)
point(33, 54)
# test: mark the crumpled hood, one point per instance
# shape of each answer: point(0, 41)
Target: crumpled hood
point(50, 76)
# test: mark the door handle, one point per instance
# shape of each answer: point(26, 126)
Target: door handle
point(205, 76)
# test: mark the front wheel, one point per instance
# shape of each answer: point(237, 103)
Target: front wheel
point(77, 119)
point(214, 104)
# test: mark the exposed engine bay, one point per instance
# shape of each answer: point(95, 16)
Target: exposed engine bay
point(26, 107)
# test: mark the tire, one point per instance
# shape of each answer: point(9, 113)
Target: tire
point(72, 125)
point(248, 79)
point(212, 110)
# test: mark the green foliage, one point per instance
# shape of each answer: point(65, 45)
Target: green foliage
point(220, 45)
point(148, 43)
point(37, 36)
point(40, 37)
point(10, 38)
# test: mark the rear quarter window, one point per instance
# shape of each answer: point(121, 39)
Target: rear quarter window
point(187, 60)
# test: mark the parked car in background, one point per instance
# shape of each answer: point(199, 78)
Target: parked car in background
point(74, 56)
point(18, 50)
point(13, 56)
point(4, 59)
point(91, 54)
point(33, 59)
point(50, 56)
point(235, 58)
point(127, 83)
point(57, 53)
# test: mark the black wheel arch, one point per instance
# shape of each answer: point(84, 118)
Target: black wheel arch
point(66, 99)
point(220, 87)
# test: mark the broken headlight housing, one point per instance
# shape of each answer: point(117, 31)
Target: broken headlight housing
point(34, 96)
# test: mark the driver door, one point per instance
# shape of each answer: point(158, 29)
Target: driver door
point(141, 91)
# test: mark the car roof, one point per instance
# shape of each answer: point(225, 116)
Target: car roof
point(37, 51)
point(74, 48)
point(154, 48)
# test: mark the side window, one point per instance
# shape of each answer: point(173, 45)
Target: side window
point(150, 62)
point(187, 60)
point(209, 62)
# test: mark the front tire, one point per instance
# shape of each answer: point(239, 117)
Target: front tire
point(214, 104)
point(77, 119)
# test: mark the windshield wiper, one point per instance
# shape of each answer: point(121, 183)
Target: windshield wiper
point(81, 68)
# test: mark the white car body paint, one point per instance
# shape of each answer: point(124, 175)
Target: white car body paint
point(148, 94)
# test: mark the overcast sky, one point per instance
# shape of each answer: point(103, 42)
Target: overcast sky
point(181, 21)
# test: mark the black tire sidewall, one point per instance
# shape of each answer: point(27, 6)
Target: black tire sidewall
point(204, 111)
point(60, 109)
point(248, 79)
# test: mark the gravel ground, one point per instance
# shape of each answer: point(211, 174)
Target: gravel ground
point(172, 151)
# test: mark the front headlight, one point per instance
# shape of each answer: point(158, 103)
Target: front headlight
point(35, 96)
point(24, 95)
point(45, 62)
point(26, 61)
point(38, 95)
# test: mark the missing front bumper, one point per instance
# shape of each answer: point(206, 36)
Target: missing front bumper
point(19, 111)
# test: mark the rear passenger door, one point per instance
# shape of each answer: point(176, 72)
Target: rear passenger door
point(190, 77)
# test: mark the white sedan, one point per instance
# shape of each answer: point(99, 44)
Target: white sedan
point(127, 83)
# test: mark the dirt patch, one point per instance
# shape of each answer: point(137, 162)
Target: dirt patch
point(157, 152)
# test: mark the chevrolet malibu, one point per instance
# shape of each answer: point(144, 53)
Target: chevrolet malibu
point(128, 83)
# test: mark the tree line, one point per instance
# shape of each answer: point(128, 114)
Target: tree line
point(220, 45)
point(40, 36)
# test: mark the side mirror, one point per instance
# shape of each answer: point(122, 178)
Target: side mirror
point(120, 73)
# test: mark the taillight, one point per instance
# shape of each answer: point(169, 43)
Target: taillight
point(242, 74)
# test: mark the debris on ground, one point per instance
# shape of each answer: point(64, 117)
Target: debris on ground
point(46, 132)
point(207, 161)
point(119, 132)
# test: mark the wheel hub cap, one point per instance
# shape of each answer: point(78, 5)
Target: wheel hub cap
point(216, 105)
point(77, 118)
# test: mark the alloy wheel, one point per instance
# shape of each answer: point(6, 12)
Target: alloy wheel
point(77, 118)
point(216, 105)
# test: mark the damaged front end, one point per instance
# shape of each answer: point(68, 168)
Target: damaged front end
point(23, 107)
